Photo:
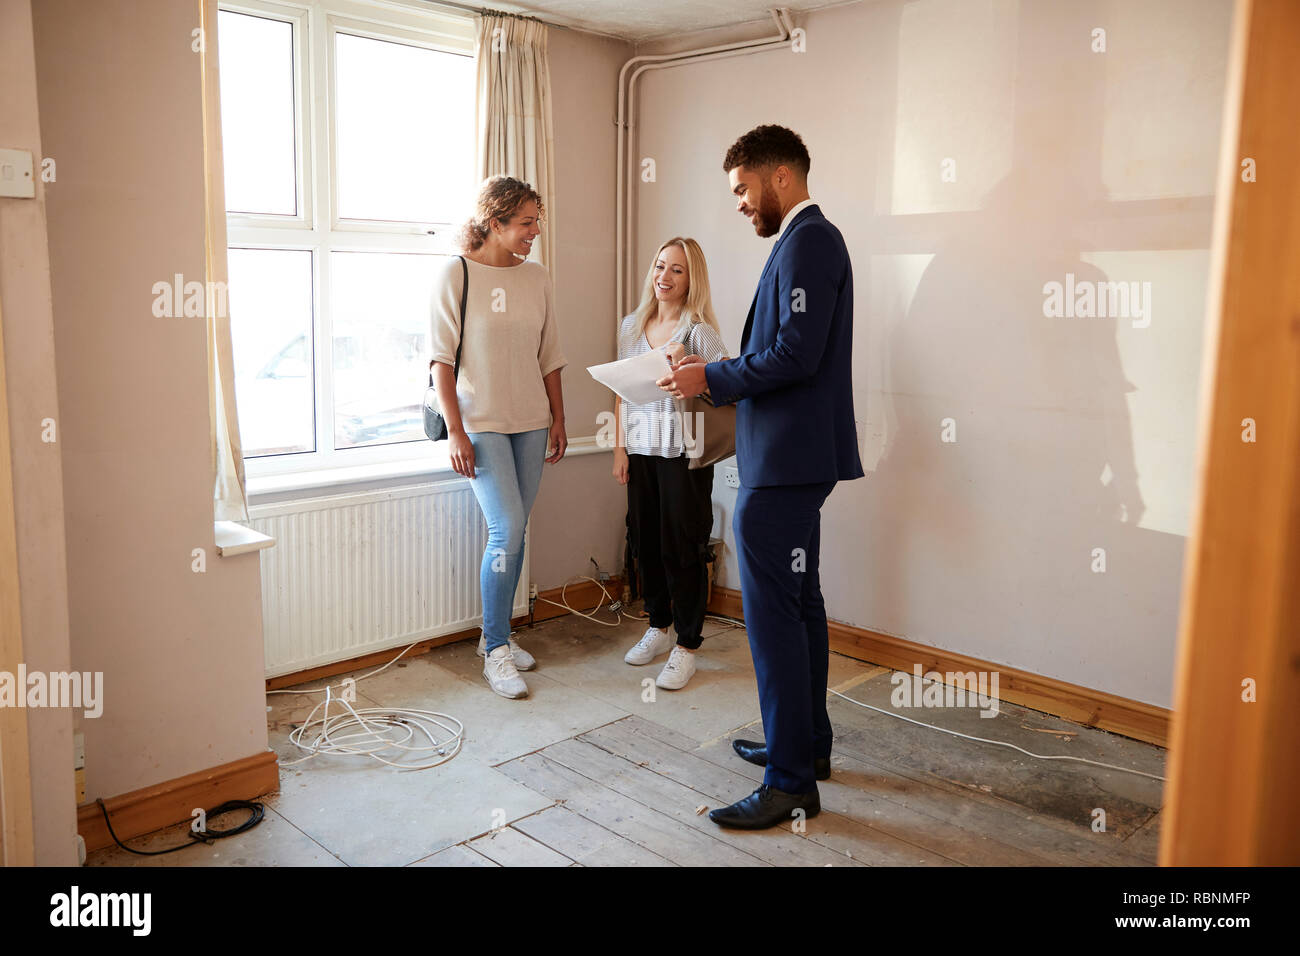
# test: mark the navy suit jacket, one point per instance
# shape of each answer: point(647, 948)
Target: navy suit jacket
point(793, 380)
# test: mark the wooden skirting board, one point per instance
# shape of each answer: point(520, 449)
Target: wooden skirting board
point(1091, 708)
point(163, 804)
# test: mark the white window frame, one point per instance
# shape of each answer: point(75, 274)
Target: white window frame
point(317, 229)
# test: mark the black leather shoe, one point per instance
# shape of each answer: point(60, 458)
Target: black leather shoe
point(766, 807)
point(756, 752)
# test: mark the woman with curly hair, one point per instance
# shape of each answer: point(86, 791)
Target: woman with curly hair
point(505, 411)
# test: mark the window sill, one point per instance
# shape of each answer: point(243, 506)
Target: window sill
point(234, 539)
point(268, 486)
point(263, 485)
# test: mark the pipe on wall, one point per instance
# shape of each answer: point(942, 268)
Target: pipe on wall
point(624, 287)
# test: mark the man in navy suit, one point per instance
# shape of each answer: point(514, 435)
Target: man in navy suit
point(795, 438)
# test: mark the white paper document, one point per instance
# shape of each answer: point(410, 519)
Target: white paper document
point(633, 379)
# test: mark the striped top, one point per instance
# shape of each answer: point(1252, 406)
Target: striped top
point(655, 428)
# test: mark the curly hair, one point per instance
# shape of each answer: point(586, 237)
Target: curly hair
point(766, 146)
point(499, 198)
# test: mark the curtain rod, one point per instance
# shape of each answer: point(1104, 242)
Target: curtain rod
point(485, 11)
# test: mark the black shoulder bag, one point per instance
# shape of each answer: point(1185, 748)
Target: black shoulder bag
point(435, 426)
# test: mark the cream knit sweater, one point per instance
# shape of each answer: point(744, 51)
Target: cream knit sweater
point(511, 343)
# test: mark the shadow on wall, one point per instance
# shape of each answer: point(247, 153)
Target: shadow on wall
point(1076, 167)
point(1011, 449)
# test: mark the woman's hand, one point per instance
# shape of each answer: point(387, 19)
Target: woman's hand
point(620, 465)
point(461, 453)
point(557, 440)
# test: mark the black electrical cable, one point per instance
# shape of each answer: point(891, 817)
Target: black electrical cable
point(200, 836)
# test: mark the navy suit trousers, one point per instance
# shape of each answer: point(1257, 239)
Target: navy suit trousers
point(778, 537)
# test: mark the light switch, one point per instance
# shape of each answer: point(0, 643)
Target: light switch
point(16, 174)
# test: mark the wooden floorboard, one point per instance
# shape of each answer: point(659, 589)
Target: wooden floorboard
point(509, 847)
point(779, 846)
point(986, 817)
point(584, 841)
point(633, 792)
point(1070, 841)
point(1057, 825)
point(897, 818)
point(1049, 842)
point(646, 827)
point(1064, 789)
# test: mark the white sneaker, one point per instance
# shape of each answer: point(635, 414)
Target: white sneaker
point(678, 670)
point(500, 673)
point(654, 642)
point(523, 660)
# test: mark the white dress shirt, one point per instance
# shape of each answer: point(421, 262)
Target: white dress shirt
point(794, 211)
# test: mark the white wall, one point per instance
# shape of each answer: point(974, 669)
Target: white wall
point(1099, 164)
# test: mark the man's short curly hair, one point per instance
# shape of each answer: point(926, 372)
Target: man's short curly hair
point(764, 147)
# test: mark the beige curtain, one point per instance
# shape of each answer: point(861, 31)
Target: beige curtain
point(513, 112)
point(229, 500)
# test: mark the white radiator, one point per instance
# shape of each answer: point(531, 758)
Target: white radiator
point(356, 573)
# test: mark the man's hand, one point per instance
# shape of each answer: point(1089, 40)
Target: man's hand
point(687, 379)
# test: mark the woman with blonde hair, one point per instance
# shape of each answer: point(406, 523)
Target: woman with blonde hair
point(505, 410)
point(670, 505)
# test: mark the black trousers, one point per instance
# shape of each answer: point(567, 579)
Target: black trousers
point(670, 508)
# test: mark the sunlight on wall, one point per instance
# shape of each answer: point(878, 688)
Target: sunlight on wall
point(956, 105)
point(1153, 145)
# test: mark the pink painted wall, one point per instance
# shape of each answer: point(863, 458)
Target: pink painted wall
point(37, 469)
point(181, 651)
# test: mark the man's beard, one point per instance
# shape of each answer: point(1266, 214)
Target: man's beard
point(769, 212)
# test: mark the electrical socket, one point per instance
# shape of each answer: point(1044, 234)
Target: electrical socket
point(731, 476)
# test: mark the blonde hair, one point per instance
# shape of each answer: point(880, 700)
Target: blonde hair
point(499, 198)
point(698, 306)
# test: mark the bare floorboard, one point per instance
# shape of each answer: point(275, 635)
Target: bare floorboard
point(509, 847)
point(779, 846)
point(861, 806)
point(647, 828)
point(987, 818)
point(585, 842)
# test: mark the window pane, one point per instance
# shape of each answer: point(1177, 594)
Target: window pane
point(271, 330)
point(405, 131)
point(257, 122)
point(381, 344)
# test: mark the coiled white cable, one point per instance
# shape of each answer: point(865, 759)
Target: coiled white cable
point(379, 733)
point(376, 732)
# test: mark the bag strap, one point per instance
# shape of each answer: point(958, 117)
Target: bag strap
point(460, 343)
point(464, 291)
point(686, 338)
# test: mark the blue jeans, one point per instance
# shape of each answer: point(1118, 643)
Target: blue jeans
point(507, 471)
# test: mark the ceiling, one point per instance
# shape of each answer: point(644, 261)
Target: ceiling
point(640, 21)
